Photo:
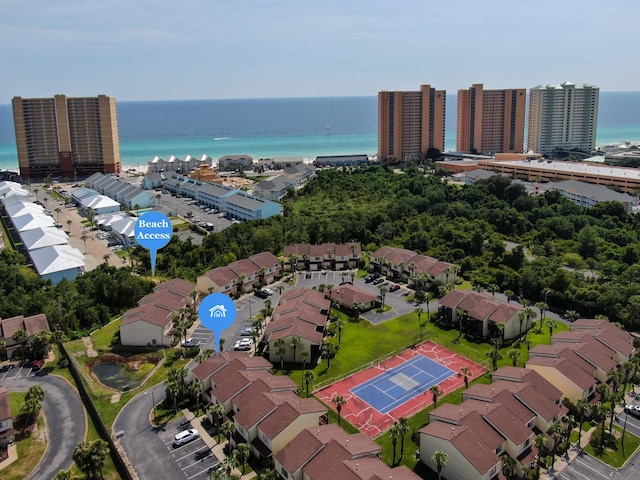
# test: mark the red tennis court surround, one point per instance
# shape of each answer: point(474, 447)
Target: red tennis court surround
point(371, 421)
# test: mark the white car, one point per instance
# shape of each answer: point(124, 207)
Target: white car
point(246, 332)
point(185, 437)
point(244, 344)
point(190, 342)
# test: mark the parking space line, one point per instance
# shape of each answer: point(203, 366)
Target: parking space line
point(206, 470)
point(591, 468)
point(187, 455)
point(196, 461)
point(6, 373)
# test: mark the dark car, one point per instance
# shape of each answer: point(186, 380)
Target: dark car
point(369, 278)
point(378, 281)
point(394, 287)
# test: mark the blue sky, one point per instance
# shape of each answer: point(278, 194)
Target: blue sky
point(195, 49)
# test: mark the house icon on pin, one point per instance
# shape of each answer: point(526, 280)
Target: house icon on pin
point(218, 311)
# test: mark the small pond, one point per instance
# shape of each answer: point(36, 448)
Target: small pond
point(115, 375)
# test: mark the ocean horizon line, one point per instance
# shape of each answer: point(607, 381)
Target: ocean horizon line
point(310, 97)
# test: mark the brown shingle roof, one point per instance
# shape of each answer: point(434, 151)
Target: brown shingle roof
point(32, 325)
point(349, 294)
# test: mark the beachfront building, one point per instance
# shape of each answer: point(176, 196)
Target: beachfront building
point(410, 122)
point(64, 136)
point(342, 160)
point(235, 162)
point(490, 121)
point(562, 117)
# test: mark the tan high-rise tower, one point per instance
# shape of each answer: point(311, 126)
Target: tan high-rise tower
point(65, 136)
point(491, 121)
point(409, 123)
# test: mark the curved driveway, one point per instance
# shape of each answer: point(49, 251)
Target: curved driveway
point(66, 422)
point(144, 448)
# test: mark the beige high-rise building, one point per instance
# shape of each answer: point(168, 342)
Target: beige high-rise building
point(491, 121)
point(563, 117)
point(409, 123)
point(67, 137)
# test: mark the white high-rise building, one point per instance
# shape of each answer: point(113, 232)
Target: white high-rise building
point(562, 117)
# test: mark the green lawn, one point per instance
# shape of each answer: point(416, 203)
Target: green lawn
point(30, 448)
point(616, 458)
point(102, 338)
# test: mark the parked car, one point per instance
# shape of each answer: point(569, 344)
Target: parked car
point(394, 287)
point(37, 365)
point(264, 293)
point(246, 332)
point(633, 410)
point(378, 281)
point(243, 345)
point(369, 278)
point(185, 437)
point(190, 342)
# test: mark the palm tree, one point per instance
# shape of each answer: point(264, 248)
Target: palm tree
point(551, 324)
point(308, 377)
point(493, 288)
point(304, 355)
point(243, 452)
point(540, 442)
point(572, 315)
point(91, 215)
point(555, 431)
point(99, 452)
point(84, 239)
point(105, 257)
point(328, 351)
point(495, 356)
point(383, 293)
point(582, 406)
point(514, 355)
point(267, 474)
point(20, 336)
point(394, 434)
point(339, 323)
point(57, 210)
point(217, 414)
point(3, 344)
point(436, 392)
point(280, 351)
point(542, 307)
point(36, 190)
point(419, 311)
point(466, 371)
point(460, 313)
point(196, 390)
point(227, 429)
point(172, 388)
point(82, 457)
point(522, 318)
point(569, 423)
point(509, 466)
point(403, 427)
point(509, 294)
point(294, 342)
point(229, 463)
point(440, 460)
point(339, 402)
point(602, 409)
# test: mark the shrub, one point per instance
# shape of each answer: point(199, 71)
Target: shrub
point(609, 440)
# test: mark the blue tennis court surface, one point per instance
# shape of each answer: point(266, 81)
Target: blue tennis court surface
point(402, 383)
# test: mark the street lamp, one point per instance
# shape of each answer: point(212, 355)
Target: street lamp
point(545, 295)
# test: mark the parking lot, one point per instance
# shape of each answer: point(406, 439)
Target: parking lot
point(194, 459)
point(16, 371)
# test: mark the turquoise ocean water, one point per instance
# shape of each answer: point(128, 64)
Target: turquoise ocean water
point(285, 127)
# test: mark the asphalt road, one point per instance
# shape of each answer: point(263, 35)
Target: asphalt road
point(144, 447)
point(66, 422)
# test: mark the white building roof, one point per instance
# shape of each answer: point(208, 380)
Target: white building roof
point(124, 227)
point(31, 221)
point(107, 219)
point(98, 202)
point(17, 209)
point(43, 237)
point(57, 258)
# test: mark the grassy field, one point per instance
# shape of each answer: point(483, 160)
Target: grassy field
point(616, 458)
point(30, 448)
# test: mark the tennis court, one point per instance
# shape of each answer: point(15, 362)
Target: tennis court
point(399, 384)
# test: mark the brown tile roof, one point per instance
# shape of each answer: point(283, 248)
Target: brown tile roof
point(177, 286)
point(290, 327)
point(540, 383)
point(453, 298)
point(329, 464)
point(505, 312)
point(349, 294)
point(478, 306)
point(475, 440)
point(301, 311)
point(287, 412)
point(265, 260)
point(229, 381)
point(511, 419)
point(571, 370)
point(210, 366)
point(305, 295)
point(243, 267)
point(370, 468)
point(149, 313)
point(221, 276)
point(32, 325)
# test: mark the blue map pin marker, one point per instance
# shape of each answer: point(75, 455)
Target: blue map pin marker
point(153, 231)
point(217, 312)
